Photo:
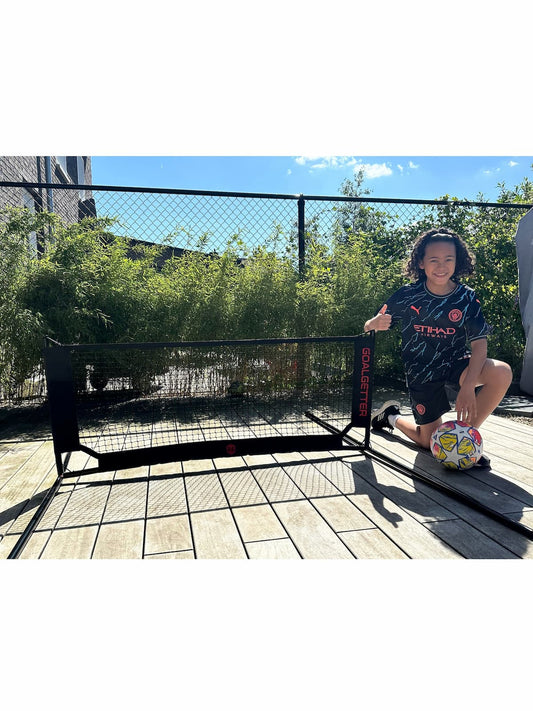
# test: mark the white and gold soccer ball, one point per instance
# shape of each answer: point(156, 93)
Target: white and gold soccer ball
point(456, 445)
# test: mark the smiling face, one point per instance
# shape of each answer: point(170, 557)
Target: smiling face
point(438, 264)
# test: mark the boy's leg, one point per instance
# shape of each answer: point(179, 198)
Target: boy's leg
point(419, 434)
point(495, 377)
point(388, 416)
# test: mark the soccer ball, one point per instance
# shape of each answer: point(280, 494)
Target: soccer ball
point(456, 445)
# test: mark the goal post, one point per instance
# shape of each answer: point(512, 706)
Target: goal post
point(133, 404)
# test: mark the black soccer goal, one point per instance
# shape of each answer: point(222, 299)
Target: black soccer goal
point(134, 404)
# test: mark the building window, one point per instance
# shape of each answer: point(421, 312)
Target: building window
point(80, 177)
point(61, 164)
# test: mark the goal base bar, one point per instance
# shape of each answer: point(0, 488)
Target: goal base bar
point(111, 461)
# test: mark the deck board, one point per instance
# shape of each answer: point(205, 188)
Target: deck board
point(292, 505)
point(168, 534)
point(122, 540)
point(372, 544)
point(274, 549)
point(258, 523)
point(311, 535)
point(216, 535)
point(76, 542)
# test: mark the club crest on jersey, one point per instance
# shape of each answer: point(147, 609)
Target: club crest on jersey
point(455, 315)
point(420, 409)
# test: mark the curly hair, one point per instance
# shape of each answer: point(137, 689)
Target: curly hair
point(465, 259)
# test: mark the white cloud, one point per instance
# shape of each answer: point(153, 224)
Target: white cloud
point(512, 163)
point(371, 170)
point(413, 166)
point(400, 168)
point(289, 172)
point(375, 170)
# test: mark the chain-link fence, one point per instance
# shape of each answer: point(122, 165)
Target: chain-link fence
point(210, 221)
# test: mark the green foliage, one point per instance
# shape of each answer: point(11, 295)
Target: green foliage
point(91, 286)
point(20, 327)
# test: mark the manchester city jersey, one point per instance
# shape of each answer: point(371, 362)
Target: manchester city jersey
point(435, 329)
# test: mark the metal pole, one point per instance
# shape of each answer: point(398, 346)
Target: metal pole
point(301, 236)
point(48, 174)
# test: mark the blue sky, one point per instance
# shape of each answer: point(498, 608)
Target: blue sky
point(423, 177)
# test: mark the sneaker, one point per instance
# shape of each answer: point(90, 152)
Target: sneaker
point(483, 462)
point(381, 418)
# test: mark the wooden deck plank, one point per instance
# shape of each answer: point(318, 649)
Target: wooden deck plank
point(168, 468)
point(341, 514)
point(86, 507)
point(132, 473)
point(168, 534)
point(284, 505)
point(257, 523)
point(510, 539)
point(462, 481)
point(30, 473)
point(35, 545)
point(7, 543)
point(126, 502)
point(497, 430)
point(70, 543)
point(55, 509)
point(216, 535)
point(371, 544)
point(276, 484)
point(166, 497)
point(205, 492)
point(122, 540)
point(471, 544)
point(402, 528)
point(273, 549)
point(24, 492)
point(399, 489)
point(309, 532)
point(14, 456)
point(393, 520)
point(310, 480)
point(174, 555)
point(241, 488)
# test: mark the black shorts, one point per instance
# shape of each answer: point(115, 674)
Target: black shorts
point(430, 400)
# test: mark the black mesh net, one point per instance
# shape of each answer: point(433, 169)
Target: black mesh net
point(138, 397)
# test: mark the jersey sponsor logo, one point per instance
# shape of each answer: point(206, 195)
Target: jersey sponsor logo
point(416, 309)
point(455, 315)
point(420, 409)
point(433, 331)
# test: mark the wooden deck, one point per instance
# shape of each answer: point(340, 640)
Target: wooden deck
point(326, 505)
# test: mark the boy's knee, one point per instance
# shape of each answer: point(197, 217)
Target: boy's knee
point(506, 373)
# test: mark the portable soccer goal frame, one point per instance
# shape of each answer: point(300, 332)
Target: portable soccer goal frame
point(77, 389)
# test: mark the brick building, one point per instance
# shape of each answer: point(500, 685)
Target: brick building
point(71, 205)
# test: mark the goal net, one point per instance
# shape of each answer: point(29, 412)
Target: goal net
point(132, 404)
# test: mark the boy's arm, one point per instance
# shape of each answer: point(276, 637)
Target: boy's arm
point(380, 322)
point(465, 404)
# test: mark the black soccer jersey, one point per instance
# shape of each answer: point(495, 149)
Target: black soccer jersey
point(435, 329)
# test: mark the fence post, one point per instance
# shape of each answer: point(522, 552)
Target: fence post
point(301, 236)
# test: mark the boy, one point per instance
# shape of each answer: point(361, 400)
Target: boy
point(439, 315)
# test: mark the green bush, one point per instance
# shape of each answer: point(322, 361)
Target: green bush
point(91, 286)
